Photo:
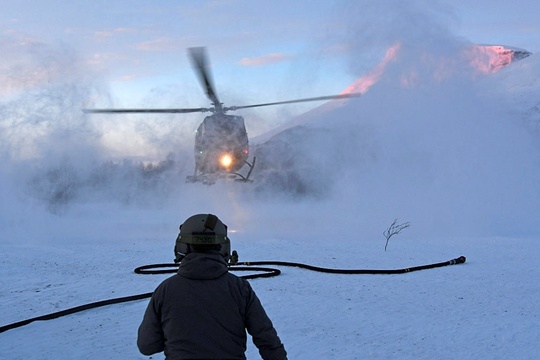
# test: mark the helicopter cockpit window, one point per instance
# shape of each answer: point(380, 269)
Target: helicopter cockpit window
point(223, 125)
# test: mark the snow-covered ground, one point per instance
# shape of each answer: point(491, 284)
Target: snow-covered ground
point(457, 157)
point(486, 308)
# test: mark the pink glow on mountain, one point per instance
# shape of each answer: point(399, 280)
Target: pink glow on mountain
point(492, 58)
point(363, 84)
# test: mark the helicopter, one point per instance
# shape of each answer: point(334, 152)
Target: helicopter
point(221, 147)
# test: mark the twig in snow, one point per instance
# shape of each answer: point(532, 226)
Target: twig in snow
point(394, 229)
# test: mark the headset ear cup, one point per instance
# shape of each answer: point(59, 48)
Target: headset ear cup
point(225, 250)
point(180, 250)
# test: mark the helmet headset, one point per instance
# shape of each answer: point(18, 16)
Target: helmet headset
point(200, 233)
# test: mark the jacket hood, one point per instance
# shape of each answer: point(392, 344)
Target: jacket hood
point(203, 266)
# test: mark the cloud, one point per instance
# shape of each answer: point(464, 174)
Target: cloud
point(105, 58)
point(130, 77)
point(373, 27)
point(156, 45)
point(109, 33)
point(265, 59)
point(29, 63)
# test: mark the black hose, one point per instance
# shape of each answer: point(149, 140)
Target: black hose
point(269, 272)
point(266, 272)
point(247, 266)
point(459, 260)
point(75, 310)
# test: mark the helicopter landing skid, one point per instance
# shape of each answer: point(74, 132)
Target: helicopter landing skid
point(207, 179)
point(242, 178)
point(211, 179)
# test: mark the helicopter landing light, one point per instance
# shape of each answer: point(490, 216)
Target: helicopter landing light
point(226, 160)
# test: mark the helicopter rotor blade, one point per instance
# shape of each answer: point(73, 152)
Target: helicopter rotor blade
point(200, 63)
point(136, 111)
point(319, 98)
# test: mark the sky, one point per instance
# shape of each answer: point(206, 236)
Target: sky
point(259, 51)
point(434, 143)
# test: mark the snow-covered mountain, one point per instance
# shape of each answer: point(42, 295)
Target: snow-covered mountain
point(455, 147)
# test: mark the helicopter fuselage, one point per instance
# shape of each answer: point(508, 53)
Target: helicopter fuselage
point(221, 144)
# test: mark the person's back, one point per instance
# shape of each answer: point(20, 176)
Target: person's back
point(203, 313)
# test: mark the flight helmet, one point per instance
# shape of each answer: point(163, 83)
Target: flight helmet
point(202, 232)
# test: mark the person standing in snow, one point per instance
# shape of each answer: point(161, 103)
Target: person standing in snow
point(203, 311)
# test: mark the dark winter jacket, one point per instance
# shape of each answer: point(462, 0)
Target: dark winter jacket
point(203, 313)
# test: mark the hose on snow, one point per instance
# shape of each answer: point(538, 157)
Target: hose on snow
point(241, 266)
